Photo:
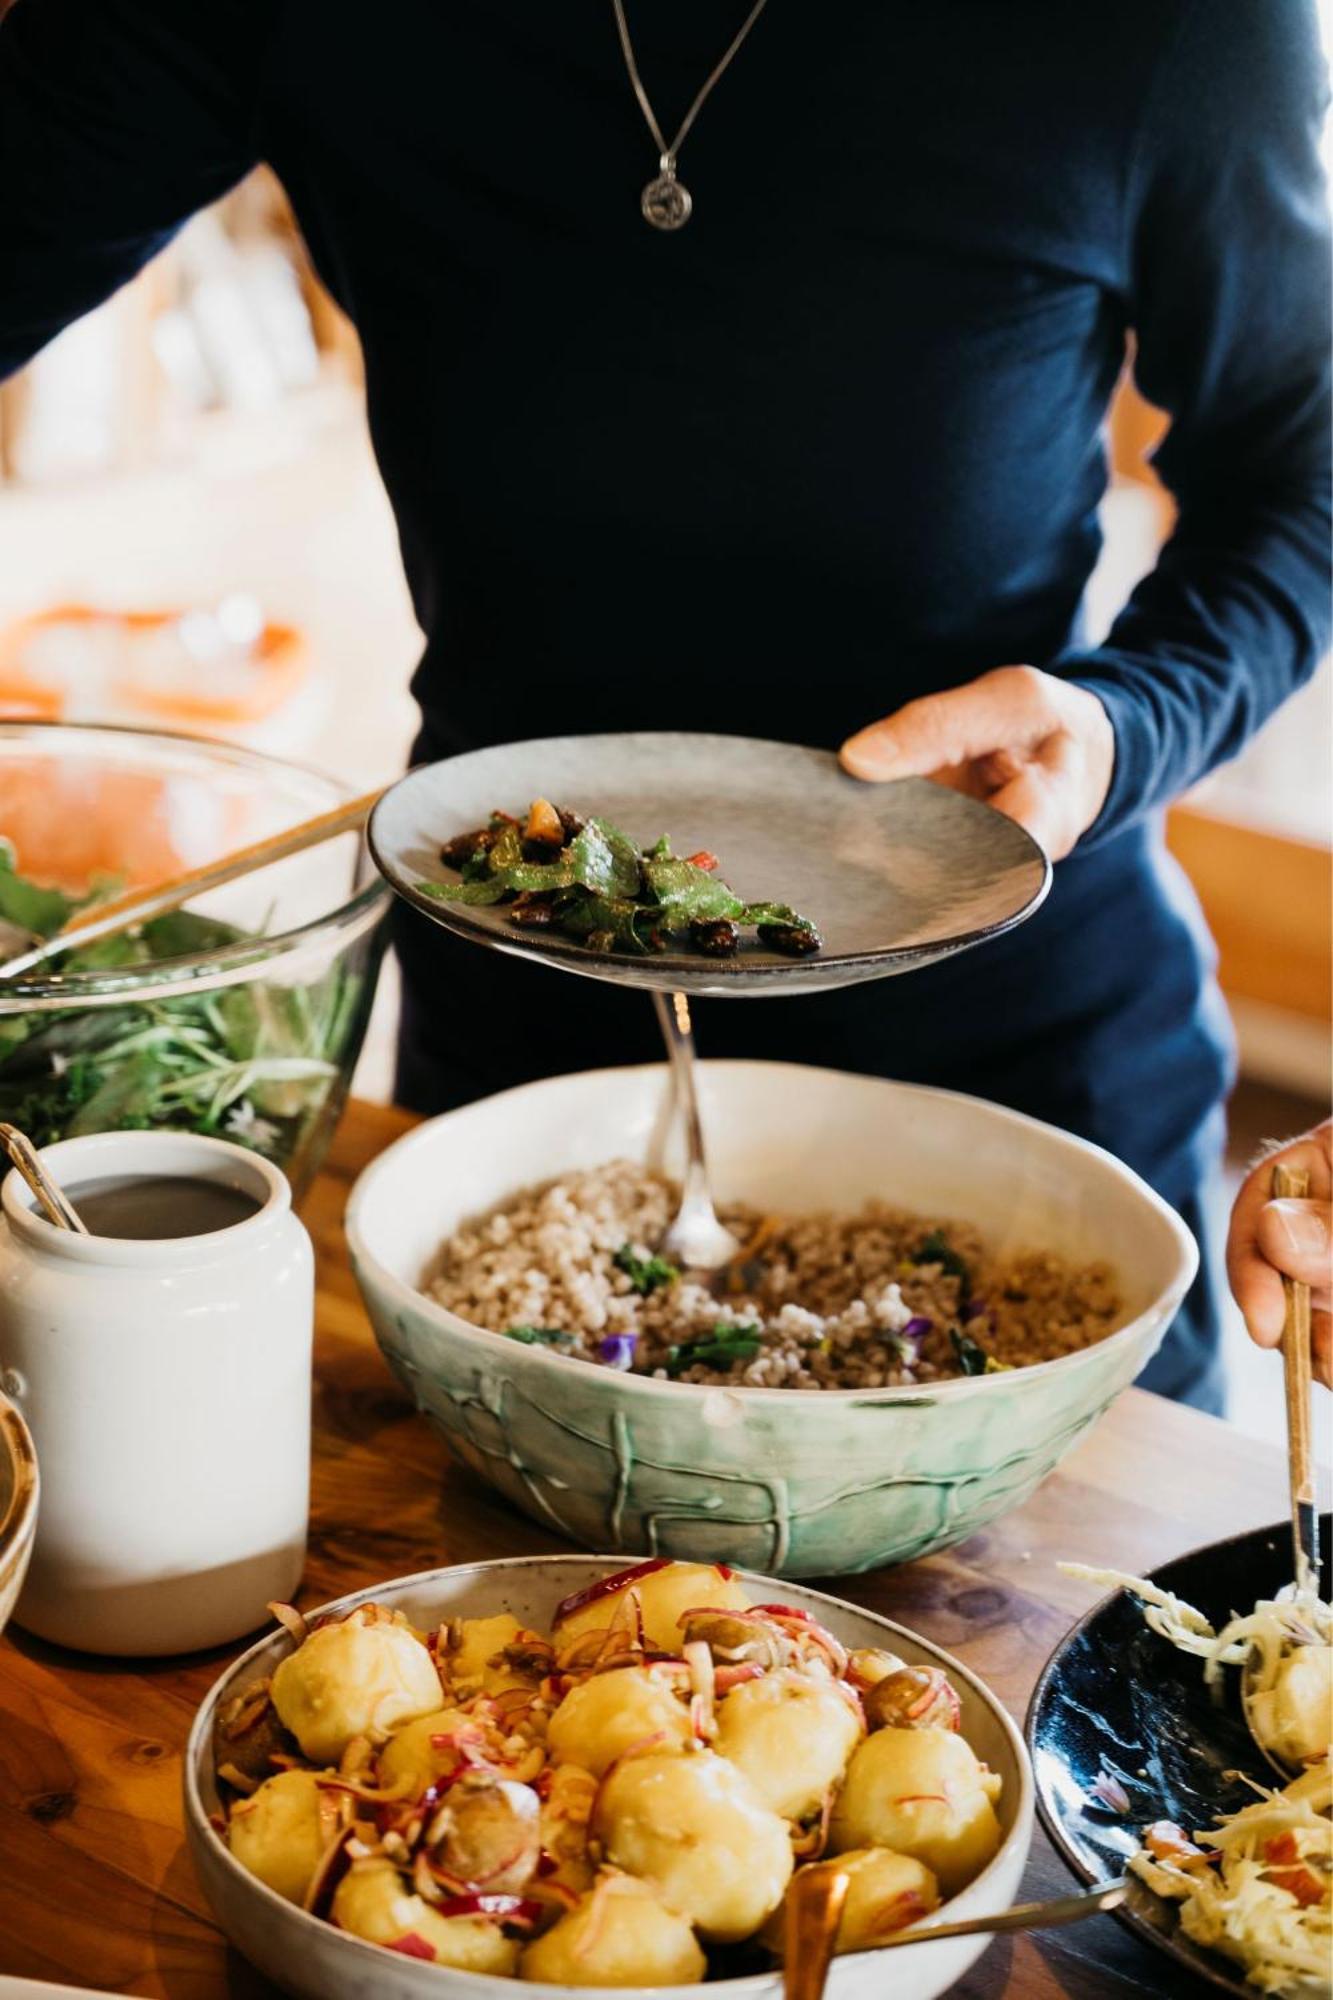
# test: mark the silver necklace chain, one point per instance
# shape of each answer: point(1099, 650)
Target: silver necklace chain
point(666, 201)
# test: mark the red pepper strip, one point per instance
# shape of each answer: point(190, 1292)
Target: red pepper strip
point(412, 1945)
point(607, 1586)
point(1294, 1874)
point(703, 859)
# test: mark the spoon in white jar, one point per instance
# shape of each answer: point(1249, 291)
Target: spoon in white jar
point(54, 1202)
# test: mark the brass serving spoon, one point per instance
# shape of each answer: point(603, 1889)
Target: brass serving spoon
point(54, 1202)
point(817, 1896)
point(1292, 1183)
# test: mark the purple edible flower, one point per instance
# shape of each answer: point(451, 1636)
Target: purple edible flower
point(916, 1329)
point(617, 1350)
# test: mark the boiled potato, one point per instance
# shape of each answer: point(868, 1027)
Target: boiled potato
point(411, 1753)
point(664, 1594)
point(621, 1934)
point(695, 1827)
point(355, 1678)
point(481, 1639)
point(565, 1813)
point(280, 1832)
point(920, 1792)
point(1294, 1718)
point(791, 1733)
point(600, 1718)
point(373, 1901)
point(885, 1893)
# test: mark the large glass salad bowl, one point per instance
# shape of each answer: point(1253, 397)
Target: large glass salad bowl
point(242, 1015)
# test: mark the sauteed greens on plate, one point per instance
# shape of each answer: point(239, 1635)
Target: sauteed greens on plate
point(255, 1063)
point(588, 880)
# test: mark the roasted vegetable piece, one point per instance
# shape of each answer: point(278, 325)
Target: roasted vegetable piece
point(544, 825)
point(912, 1698)
point(247, 1734)
point(716, 939)
point(487, 1833)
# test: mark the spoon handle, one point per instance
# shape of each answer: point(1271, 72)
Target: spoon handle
point(1293, 1183)
point(50, 1196)
point(137, 906)
point(673, 1012)
point(1022, 1917)
point(814, 1910)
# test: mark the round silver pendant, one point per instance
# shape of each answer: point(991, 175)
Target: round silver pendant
point(666, 203)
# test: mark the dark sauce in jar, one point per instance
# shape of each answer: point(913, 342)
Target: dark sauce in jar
point(154, 1207)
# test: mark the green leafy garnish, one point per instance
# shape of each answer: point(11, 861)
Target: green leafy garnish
point(775, 913)
point(33, 908)
point(258, 1063)
point(644, 1273)
point(718, 1349)
point(602, 889)
point(937, 1249)
point(972, 1356)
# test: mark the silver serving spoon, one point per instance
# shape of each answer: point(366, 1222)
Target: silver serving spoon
point(814, 1907)
point(695, 1240)
point(1292, 1183)
point(54, 1202)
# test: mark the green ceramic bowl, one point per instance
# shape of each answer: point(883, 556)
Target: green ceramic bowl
point(776, 1480)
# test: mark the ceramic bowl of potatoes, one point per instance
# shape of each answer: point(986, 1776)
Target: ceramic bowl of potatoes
point(563, 1774)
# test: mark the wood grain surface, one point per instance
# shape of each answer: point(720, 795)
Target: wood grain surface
point(96, 1888)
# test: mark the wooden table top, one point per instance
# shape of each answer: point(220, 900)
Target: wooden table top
point(96, 1887)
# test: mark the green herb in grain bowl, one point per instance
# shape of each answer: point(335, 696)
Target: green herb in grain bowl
point(882, 1298)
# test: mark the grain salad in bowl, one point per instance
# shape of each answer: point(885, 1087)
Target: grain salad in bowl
point(700, 1455)
point(879, 1298)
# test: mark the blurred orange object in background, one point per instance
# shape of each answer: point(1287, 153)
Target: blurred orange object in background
point(75, 662)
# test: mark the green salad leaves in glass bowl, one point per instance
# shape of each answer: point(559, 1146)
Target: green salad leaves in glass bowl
point(244, 1018)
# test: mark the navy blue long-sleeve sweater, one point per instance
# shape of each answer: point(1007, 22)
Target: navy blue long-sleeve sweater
point(837, 443)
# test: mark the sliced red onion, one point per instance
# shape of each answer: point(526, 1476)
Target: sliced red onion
point(1107, 1792)
point(617, 1350)
point(607, 1586)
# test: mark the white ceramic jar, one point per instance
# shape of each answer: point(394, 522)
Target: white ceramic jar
point(167, 1387)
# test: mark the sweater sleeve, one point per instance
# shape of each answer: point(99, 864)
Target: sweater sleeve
point(1228, 257)
point(118, 119)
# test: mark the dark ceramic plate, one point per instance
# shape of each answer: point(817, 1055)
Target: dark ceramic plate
point(1116, 1697)
point(895, 876)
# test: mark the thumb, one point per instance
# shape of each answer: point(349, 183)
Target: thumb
point(1001, 710)
point(1295, 1237)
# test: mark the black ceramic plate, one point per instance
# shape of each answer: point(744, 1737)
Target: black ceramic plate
point(1116, 1697)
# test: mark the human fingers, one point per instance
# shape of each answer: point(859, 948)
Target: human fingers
point(1006, 709)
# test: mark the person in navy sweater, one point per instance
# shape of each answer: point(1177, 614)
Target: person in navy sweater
point(821, 463)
